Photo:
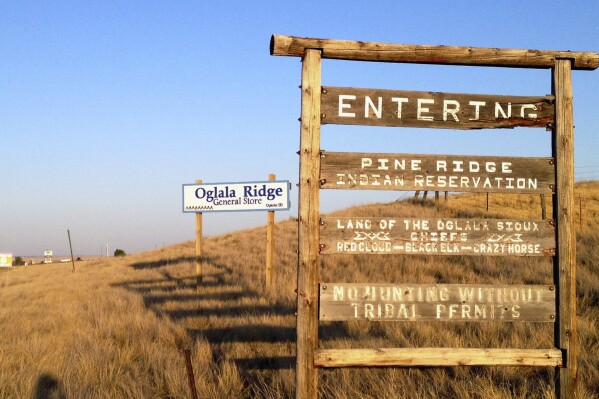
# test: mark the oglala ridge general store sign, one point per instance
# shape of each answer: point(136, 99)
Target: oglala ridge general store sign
point(243, 196)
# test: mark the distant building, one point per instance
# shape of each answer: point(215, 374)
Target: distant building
point(47, 256)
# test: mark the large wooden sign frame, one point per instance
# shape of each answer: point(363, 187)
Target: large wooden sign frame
point(383, 108)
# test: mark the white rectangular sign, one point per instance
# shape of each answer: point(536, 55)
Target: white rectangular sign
point(5, 260)
point(244, 196)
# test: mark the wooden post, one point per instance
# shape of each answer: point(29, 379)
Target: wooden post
point(563, 213)
point(308, 230)
point(199, 253)
point(270, 230)
point(71, 247)
point(424, 195)
point(543, 207)
point(580, 210)
point(416, 194)
point(190, 376)
point(436, 196)
point(446, 195)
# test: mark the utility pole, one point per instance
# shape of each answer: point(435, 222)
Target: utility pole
point(71, 247)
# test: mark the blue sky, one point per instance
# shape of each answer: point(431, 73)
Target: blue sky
point(107, 108)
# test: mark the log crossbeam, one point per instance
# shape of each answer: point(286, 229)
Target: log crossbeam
point(428, 54)
point(437, 357)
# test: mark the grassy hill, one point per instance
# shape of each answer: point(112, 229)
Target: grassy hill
point(116, 328)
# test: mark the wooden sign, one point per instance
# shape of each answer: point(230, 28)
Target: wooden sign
point(436, 302)
point(378, 107)
point(432, 236)
point(459, 173)
point(438, 110)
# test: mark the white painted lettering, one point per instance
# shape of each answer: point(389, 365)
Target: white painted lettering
point(343, 105)
point(499, 110)
point(477, 105)
point(399, 101)
point(377, 109)
point(421, 110)
point(453, 111)
point(530, 115)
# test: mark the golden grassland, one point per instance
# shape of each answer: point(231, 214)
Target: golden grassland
point(116, 328)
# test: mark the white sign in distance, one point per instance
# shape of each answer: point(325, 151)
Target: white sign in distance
point(231, 197)
point(5, 260)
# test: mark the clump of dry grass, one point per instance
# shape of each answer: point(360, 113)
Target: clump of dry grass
point(74, 334)
point(115, 329)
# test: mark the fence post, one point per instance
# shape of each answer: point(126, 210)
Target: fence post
point(270, 229)
point(580, 210)
point(71, 247)
point(199, 253)
point(190, 376)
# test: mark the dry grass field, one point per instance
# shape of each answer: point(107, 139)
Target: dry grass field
point(116, 328)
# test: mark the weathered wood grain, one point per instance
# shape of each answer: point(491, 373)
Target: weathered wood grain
point(422, 172)
point(378, 107)
point(308, 231)
point(563, 213)
point(429, 54)
point(436, 357)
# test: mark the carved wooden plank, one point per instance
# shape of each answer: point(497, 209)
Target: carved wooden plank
point(436, 236)
point(421, 172)
point(436, 302)
point(436, 357)
point(425, 54)
point(378, 107)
